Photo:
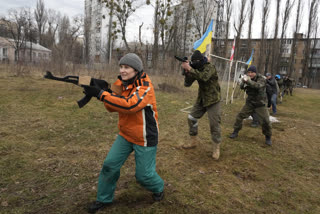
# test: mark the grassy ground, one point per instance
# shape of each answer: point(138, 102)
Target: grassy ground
point(51, 154)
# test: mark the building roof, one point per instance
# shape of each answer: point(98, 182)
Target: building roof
point(37, 47)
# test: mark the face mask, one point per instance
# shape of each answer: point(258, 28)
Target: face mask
point(197, 64)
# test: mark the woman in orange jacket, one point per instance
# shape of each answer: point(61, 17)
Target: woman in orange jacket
point(135, 103)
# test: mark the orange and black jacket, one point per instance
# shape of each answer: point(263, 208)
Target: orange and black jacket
point(138, 115)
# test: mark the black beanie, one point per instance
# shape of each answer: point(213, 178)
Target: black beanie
point(252, 68)
point(197, 55)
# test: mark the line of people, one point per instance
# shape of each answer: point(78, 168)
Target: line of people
point(132, 97)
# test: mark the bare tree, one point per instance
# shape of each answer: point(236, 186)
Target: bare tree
point(41, 18)
point(30, 33)
point(155, 49)
point(262, 54)
point(17, 23)
point(285, 20)
point(228, 18)
point(163, 29)
point(313, 60)
point(123, 9)
point(49, 38)
point(112, 27)
point(4, 30)
point(187, 23)
point(68, 34)
point(166, 30)
point(238, 27)
point(251, 15)
point(202, 16)
point(313, 10)
point(275, 41)
point(140, 40)
point(295, 31)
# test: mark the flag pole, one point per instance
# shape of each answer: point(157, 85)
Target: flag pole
point(234, 82)
point(228, 81)
point(229, 76)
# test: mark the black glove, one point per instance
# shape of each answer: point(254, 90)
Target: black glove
point(92, 91)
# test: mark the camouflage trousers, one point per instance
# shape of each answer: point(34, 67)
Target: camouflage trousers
point(214, 116)
point(263, 116)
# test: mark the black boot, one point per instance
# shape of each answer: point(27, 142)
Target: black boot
point(234, 134)
point(158, 196)
point(268, 140)
point(97, 205)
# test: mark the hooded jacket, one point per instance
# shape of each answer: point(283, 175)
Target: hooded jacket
point(138, 115)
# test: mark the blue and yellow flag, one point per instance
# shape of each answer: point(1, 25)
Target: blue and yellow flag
point(250, 59)
point(205, 40)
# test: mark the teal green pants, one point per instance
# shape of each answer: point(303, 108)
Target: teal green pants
point(146, 174)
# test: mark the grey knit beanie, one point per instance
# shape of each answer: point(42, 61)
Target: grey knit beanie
point(133, 60)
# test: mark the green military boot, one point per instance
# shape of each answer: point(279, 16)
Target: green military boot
point(268, 140)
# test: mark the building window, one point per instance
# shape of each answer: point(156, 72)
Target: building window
point(283, 69)
point(5, 52)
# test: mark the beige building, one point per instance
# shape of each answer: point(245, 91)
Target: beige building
point(9, 54)
point(284, 66)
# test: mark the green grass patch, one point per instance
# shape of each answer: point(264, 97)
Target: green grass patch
point(52, 151)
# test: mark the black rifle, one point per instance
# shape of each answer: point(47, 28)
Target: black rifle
point(102, 84)
point(184, 59)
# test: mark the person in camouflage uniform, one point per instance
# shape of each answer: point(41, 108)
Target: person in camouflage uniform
point(255, 86)
point(288, 85)
point(208, 99)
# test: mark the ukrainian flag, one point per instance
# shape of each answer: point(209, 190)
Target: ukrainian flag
point(250, 59)
point(205, 40)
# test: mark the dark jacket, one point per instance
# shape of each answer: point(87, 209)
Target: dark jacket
point(271, 86)
point(209, 87)
point(256, 91)
point(288, 82)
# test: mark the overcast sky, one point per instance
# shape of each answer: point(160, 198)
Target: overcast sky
point(144, 14)
point(75, 7)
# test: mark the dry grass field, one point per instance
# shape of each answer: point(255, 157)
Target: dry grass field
point(51, 154)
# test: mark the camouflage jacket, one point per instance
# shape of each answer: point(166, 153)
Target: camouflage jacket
point(280, 83)
point(256, 91)
point(288, 82)
point(209, 88)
